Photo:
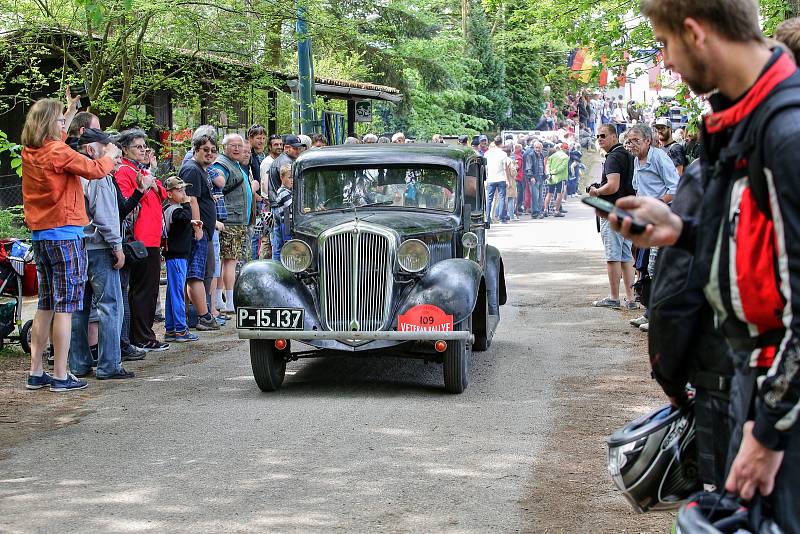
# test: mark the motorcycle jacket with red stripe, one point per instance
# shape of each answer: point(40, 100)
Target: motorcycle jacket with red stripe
point(747, 239)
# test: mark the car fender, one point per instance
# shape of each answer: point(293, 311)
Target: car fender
point(451, 285)
point(495, 280)
point(268, 284)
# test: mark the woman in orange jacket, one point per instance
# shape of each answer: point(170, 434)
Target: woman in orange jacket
point(52, 197)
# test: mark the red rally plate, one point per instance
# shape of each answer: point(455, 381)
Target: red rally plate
point(425, 318)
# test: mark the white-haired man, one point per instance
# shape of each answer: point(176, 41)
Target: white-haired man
point(238, 194)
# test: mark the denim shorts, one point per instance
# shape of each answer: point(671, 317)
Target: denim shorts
point(61, 268)
point(197, 259)
point(617, 248)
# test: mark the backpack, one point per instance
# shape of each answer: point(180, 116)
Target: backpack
point(168, 210)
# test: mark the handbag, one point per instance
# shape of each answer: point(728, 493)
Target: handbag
point(134, 251)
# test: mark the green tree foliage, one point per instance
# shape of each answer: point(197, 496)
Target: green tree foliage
point(489, 75)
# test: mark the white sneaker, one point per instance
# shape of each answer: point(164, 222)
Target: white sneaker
point(639, 321)
point(645, 327)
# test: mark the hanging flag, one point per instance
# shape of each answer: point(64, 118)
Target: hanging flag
point(603, 73)
point(586, 67)
point(571, 58)
point(654, 74)
point(579, 59)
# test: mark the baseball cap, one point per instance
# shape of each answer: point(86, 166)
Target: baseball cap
point(663, 121)
point(292, 140)
point(175, 183)
point(93, 135)
point(305, 140)
point(483, 138)
point(476, 140)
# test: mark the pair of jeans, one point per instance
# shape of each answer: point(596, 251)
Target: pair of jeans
point(536, 196)
point(175, 301)
point(498, 188)
point(521, 195)
point(279, 237)
point(104, 290)
point(512, 207)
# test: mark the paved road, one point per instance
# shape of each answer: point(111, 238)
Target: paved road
point(348, 444)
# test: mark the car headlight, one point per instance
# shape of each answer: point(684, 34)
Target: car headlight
point(469, 240)
point(296, 256)
point(413, 255)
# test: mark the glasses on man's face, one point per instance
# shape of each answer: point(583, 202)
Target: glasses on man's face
point(235, 147)
point(602, 136)
point(208, 149)
point(634, 141)
point(138, 147)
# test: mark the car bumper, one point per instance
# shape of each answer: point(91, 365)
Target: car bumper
point(383, 335)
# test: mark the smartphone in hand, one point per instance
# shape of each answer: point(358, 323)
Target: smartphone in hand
point(607, 207)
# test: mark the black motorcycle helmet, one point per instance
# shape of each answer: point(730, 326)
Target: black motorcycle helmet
point(721, 513)
point(653, 459)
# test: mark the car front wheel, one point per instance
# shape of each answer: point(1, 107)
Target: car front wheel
point(456, 362)
point(269, 363)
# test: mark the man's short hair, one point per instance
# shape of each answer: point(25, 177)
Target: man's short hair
point(229, 137)
point(396, 137)
point(788, 32)
point(610, 129)
point(498, 141)
point(81, 120)
point(198, 142)
point(736, 20)
point(644, 130)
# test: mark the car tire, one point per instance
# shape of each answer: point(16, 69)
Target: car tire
point(455, 363)
point(480, 320)
point(25, 336)
point(268, 363)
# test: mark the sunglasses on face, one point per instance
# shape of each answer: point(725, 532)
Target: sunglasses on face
point(207, 149)
point(602, 136)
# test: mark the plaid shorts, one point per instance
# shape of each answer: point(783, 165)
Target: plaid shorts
point(232, 241)
point(61, 267)
point(197, 259)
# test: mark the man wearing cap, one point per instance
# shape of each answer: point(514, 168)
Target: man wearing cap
point(674, 150)
point(463, 140)
point(476, 144)
point(483, 145)
point(291, 151)
point(103, 243)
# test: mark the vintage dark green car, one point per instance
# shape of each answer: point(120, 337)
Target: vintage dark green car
point(388, 253)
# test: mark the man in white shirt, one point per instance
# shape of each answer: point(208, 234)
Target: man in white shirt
point(496, 178)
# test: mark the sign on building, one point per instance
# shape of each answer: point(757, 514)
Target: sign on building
point(364, 111)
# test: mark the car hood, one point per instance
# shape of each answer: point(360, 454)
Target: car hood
point(404, 222)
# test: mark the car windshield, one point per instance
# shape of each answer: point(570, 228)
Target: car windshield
point(431, 188)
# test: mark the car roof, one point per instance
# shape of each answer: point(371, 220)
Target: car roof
point(386, 154)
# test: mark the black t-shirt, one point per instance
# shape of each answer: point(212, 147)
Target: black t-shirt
point(618, 161)
point(179, 237)
point(676, 153)
point(192, 173)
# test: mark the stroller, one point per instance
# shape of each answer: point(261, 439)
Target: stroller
point(17, 279)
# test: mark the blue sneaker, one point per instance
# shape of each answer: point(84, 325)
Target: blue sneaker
point(69, 383)
point(220, 320)
point(185, 337)
point(38, 382)
point(169, 336)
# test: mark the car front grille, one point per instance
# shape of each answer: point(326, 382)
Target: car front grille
point(356, 277)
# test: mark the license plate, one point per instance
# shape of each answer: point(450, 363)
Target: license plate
point(269, 318)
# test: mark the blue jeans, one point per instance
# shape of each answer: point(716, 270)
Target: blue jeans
point(175, 303)
point(278, 238)
point(521, 195)
point(104, 290)
point(500, 189)
point(536, 196)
